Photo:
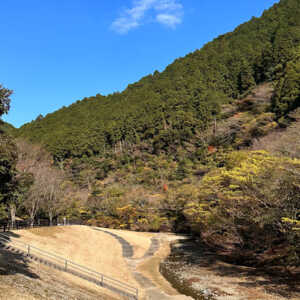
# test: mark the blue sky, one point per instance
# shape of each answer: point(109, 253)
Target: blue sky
point(54, 52)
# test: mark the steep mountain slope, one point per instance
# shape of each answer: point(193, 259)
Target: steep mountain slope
point(167, 110)
point(282, 142)
point(172, 152)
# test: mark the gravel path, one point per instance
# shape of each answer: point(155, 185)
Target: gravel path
point(127, 249)
point(152, 292)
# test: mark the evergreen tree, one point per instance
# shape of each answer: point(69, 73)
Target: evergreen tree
point(8, 155)
point(287, 92)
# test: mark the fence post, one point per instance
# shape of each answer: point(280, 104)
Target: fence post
point(66, 265)
point(102, 279)
point(137, 294)
point(28, 250)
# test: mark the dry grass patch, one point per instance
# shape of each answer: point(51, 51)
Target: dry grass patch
point(83, 245)
point(48, 232)
point(21, 278)
point(11, 293)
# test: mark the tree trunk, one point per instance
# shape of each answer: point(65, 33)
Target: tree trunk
point(32, 219)
point(215, 126)
point(12, 208)
point(50, 218)
point(165, 124)
point(89, 184)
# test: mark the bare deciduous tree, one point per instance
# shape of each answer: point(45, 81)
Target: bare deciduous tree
point(46, 191)
point(53, 196)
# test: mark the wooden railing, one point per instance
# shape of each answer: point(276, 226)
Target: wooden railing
point(71, 267)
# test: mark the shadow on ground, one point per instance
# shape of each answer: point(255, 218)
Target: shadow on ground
point(189, 254)
point(11, 234)
point(14, 262)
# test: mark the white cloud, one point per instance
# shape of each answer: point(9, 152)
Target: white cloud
point(165, 12)
point(123, 25)
point(169, 20)
point(168, 5)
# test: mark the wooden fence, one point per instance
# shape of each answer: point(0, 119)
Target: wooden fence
point(68, 266)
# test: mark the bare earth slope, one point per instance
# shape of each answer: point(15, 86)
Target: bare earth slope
point(283, 142)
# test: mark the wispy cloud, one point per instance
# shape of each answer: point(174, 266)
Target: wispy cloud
point(166, 12)
point(169, 20)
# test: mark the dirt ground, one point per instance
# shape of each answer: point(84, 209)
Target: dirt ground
point(96, 249)
point(148, 265)
point(203, 271)
point(150, 268)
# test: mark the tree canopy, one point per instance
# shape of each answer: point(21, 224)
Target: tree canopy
point(4, 100)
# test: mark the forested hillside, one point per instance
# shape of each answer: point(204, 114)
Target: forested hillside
point(8, 128)
point(176, 150)
point(167, 109)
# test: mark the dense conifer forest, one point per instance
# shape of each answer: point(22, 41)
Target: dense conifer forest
point(167, 109)
point(182, 150)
